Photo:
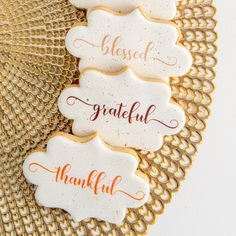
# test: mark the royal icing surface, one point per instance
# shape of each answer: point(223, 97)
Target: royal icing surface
point(86, 179)
point(110, 42)
point(125, 110)
point(163, 9)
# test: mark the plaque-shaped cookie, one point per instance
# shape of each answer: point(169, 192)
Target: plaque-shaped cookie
point(126, 111)
point(86, 178)
point(111, 42)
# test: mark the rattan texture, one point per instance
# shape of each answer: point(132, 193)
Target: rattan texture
point(35, 67)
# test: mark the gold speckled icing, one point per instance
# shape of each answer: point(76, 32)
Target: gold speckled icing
point(87, 178)
point(126, 111)
point(112, 41)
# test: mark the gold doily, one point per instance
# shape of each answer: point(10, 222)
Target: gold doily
point(34, 68)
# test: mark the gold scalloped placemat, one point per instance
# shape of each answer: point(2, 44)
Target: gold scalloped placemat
point(34, 68)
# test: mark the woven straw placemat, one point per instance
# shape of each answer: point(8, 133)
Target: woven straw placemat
point(35, 67)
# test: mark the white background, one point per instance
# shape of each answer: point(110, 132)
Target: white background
point(206, 202)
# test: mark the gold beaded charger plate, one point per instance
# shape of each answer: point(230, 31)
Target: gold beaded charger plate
point(35, 67)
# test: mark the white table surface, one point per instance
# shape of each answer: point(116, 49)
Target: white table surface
point(206, 202)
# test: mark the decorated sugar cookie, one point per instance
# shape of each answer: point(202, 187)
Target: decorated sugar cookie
point(86, 178)
point(110, 42)
point(124, 109)
point(163, 9)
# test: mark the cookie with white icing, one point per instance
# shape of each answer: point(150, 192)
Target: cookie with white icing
point(163, 9)
point(125, 110)
point(86, 178)
point(111, 42)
